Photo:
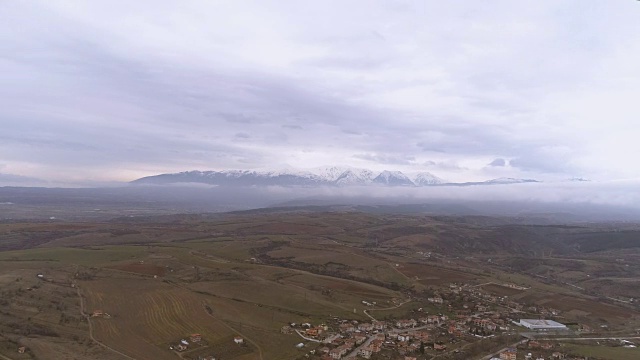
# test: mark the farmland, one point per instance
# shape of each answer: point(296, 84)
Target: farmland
point(161, 279)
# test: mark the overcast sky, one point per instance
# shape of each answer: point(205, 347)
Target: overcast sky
point(466, 90)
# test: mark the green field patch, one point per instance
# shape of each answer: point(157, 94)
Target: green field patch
point(80, 256)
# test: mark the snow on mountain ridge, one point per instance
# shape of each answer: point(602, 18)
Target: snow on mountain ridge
point(426, 178)
point(355, 177)
point(323, 176)
point(387, 177)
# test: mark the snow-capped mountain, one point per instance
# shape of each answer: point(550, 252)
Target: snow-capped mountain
point(425, 178)
point(330, 173)
point(325, 176)
point(355, 177)
point(392, 178)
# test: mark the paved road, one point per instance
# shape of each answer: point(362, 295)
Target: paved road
point(357, 348)
point(497, 353)
point(307, 338)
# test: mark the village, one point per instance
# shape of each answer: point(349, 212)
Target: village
point(470, 322)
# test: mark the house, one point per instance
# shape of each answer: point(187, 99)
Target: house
point(509, 354)
point(238, 340)
point(330, 339)
point(405, 323)
point(404, 337)
point(347, 327)
point(365, 352)
point(97, 313)
point(359, 339)
point(421, 335)
point(349, 343)
point(546, 345)
point(21, 350)
point(379, 325)
point(338, 352)
point(181, 347)
point(376, 345)
point(435, 300)
point(558, 355)
point(195, 338)
point(482, 323)
point(439, 346)
point(365, 327)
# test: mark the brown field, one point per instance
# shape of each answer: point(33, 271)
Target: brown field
point(501, 290)
point(144, 269)
point(431, 275)
point(148, 315)
point(583, 307)
point(248, 275)
point(288, 228)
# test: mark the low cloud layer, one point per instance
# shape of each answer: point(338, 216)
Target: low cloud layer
point(114, 90)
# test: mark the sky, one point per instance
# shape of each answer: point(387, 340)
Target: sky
point(108, 91)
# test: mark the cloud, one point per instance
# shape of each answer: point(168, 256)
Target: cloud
point(386, 159)
point(243, 136)
point(134, 89)
point(448, 165)
point(498, 162)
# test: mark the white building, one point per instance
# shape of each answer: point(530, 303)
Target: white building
point(544, 325)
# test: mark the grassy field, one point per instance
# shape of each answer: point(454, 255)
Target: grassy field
point(249, 275)
point(87, 257)
point(147, 316)
point(604, 352)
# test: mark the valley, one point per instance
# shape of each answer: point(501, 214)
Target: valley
point(257, 284)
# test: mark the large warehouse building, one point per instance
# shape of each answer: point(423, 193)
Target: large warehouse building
point(544, 325)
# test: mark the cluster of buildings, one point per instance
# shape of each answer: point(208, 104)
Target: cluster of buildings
point(466, 313)
point(352, 339)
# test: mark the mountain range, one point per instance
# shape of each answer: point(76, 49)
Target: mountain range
point(324, 176)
